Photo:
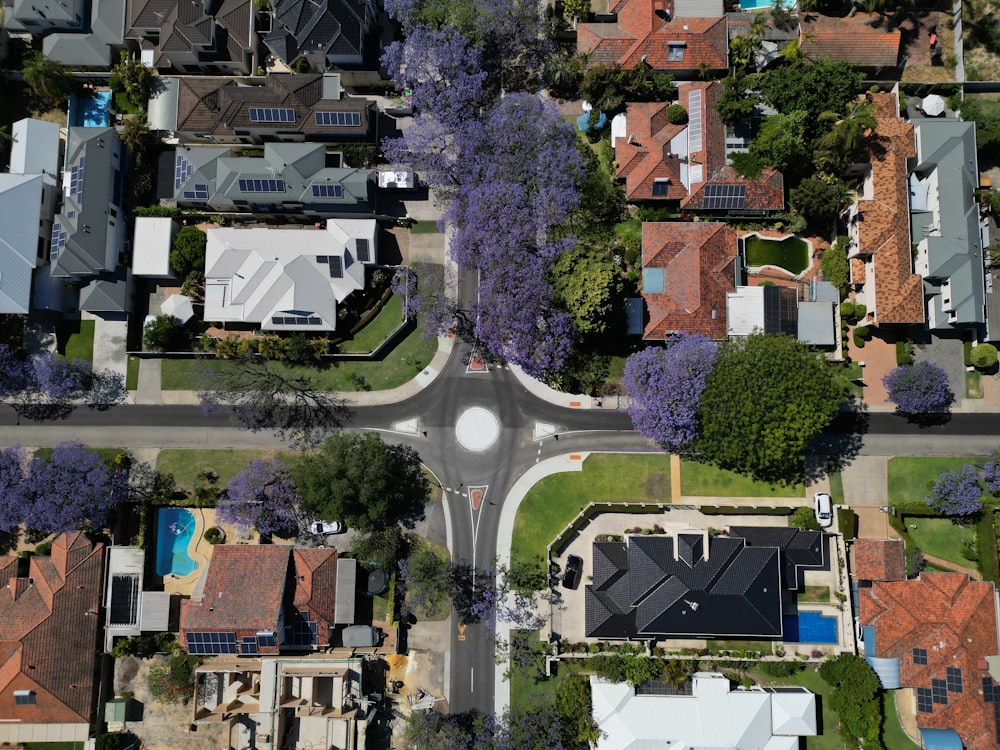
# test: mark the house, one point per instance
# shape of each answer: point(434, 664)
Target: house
point(49, 629)
point(286, 702)
point(325, 32)
point(259, 599)
point(882, 271)
point(661, 161)
point(76, 33)
point(648, 32)
point(287, 107)
point(687, 270)
point(801, 551)
point(936, 635)
point(945, 223)
point(682, 586)
point(710, 714)
point(28, 192)
point(726, 193)
point(213, 36)
point(286, 279)
point(289, 177)
point(130, 611)
point(862, 39)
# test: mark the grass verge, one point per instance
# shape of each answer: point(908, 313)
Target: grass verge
point(910, 477)
point(940, 537)
point(75, 339)
point(132, 373)
point(973, 385)
point(424, 227)
point(186, 465)
point(705, 480)
point(107, 454)
point(836, 488)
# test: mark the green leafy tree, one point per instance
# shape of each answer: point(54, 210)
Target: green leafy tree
point(135, 79)
point(823, 85)
point(819, 199)
point(747, 164)
point(855, 698)
point(163, 334)
point(575, 8)
point(563, 74)
point(362, 481)
point(385, 547)
point(47, 79)
point(736, 101)
point(135, 133)
point(987, 123)
point(849, 132)
point(591, 289)
point(766, 399)
point(188, 253)
point(834, 265)
point(782, 143)
point(576, 713)
point(804, 518)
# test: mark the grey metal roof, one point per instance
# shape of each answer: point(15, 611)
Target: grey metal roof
point(21, 198)
point(816, 323)
point(108, 293)
point(96, 44)
point(35, 147)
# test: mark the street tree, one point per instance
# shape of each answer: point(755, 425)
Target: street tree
point(261, 397)
point(665, 387)
point(13, 468)
point(920, 388)
point(991, 473)
point(957, 493)
point(261, 496)
point(427, 578)
point(764, 402)
point(188, 252)
point(424, 289)
point(362, 481)
point(590, 288)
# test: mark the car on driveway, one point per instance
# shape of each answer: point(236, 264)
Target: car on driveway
point(823, 507)
point(571, 574)
point(322, 528)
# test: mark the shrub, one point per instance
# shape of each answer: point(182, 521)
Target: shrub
point(858, 338)
point(779, 668)
point(44, 549)
point(914, 559)
point(904, 353)
point(162, 334)
point(846, 308)
point(676, 114)
point(984, 356)
point(804, 519)
point(860, 310)
point(108, 741)
point(214, 535)
point(967, 353)
point(188, 253)
point(157, 211)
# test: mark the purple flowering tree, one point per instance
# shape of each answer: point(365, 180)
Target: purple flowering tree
point(60, 379)
point(665, 387)
point(957, 493)
point(71, 490)
point(920, 388)
point(495, 600)
point(424, 289)
point(991, 472)
point(14, 373)
point(13, 468)
point(261, 496)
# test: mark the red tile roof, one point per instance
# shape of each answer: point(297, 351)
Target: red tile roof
point(644, 155)
point(640, 32)
point(48, 638)
point(766, 193)
point(698, 262)
point(955, 621)
point(862, 39)
point(879, 560)
point(316, 586)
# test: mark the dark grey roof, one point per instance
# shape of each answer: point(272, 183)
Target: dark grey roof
point(726, 590)
point(799, 549)
point(333, 27)
point(108, 293)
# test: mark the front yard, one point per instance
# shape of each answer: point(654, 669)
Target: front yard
point(704, 480)
point(910, 477)
point(187, 465)
point(941, 537)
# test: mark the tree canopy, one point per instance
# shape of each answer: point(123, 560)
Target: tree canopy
point(819, 86)
point(764, 402)
point(782, 142)
point(957, 493)
point(590, 288)
point(919, 388)
point(261, 496)
point(361, 481)
point(188, 253)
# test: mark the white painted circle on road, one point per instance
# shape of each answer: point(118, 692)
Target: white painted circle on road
point(477, 429)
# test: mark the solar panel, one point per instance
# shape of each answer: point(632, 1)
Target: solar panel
point(364, 252)
point(925, 703)
point(201, 191)
point(124, 600)
point(58, 241)
point(954, 679)
point(204, 644)
point(249, 185)
point(660, 188)
point(182, 170)
point(324, 259)
point(694, 121)
point(920, 656)
point(271, 114)
point(338, 119)
point(336, 267)
point(724, 196)
point(327, 191)
point(939, 691)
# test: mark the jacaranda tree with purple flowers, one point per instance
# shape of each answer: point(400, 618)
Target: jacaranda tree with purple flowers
point(59, 378)
point(424, 289)
point(14, 373)
point(991, 473)
point(535, 728)
point(13, 468)
point(920, 388)
point(665, 387)
point(73, 489)
point(261, 496)
point(957, 493)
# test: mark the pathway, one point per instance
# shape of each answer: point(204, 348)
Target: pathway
point(959, 44)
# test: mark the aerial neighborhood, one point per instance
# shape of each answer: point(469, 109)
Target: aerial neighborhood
point(493, 374)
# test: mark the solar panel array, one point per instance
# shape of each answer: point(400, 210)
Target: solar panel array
point(182, 170)
point(991, 694)
point(271, 114)
point(205, 644)
point(954, 679)
point(925, 702)
point(328, 191)
point(338, 119)
point(364, 252)
point(76, 179)
point(303, 632)
point(725, 196)
point(124, 600)
point(200, 192)
point(336, 267)
point(285, 320)
point(694, 121)
point(660, 188)
point(939, 691)
point(262, 186)
point(248, 646)
point(58, 241)
point(920, 656)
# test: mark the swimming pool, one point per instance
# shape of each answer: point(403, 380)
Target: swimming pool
point(90, 111)
point(174, 529)
point(810, 627)
point(760, 4)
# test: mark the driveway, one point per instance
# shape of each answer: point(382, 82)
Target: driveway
point(109, 342)
point(948, 354)
point(866, 481)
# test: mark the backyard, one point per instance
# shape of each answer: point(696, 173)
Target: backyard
point(790, 253)
point(705, 480)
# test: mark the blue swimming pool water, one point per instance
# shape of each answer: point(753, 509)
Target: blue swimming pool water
point(91, 111)
point(174, 529)
point(757, 4)
point(810, 627)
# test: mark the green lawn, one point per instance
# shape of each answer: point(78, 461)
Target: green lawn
point(973, 385)
point(815, 594)
point(380, 607)
point(185, 464)
point(552, 503)
point(424, 227)
point(836, 488)
point(400, 365)
point(790, 253)
point(705, 480)
point(629, 228)
point(132, 373)
point(910, 477)
point(940, 537)
point(893, 735)
point(525, 691)
point(75, 339)
point(378, 329)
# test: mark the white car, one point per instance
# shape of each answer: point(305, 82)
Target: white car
point(823, 507)
point(326, 527)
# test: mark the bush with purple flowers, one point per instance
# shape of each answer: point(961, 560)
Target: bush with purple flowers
point(261, 496)
point(957, 493)
point(919, 388)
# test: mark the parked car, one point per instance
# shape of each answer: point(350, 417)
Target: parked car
point(571, 575)
point(326, 527)
point(823, 507)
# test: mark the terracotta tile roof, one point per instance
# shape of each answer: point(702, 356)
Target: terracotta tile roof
point(879, 560)
point(639, 32)
point(316, 586)
point(884, 221)
point(861, 39)
point(48, 641)
point(644, 154)
point(954, 621)
point(766, 193)
point(698, 260)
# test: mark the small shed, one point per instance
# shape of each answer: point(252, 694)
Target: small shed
point(151, 243)
point(361, 636)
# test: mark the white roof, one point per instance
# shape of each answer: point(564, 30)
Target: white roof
point(151, 246)
point(255, 275)
point(713, 716)
point(744, 310)
point(35, 147)
point(21, 197)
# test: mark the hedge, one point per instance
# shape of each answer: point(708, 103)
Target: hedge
point(967, 353)
point(904, 353)
point(749, 510)
point(847, 520)
point(986, 546)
